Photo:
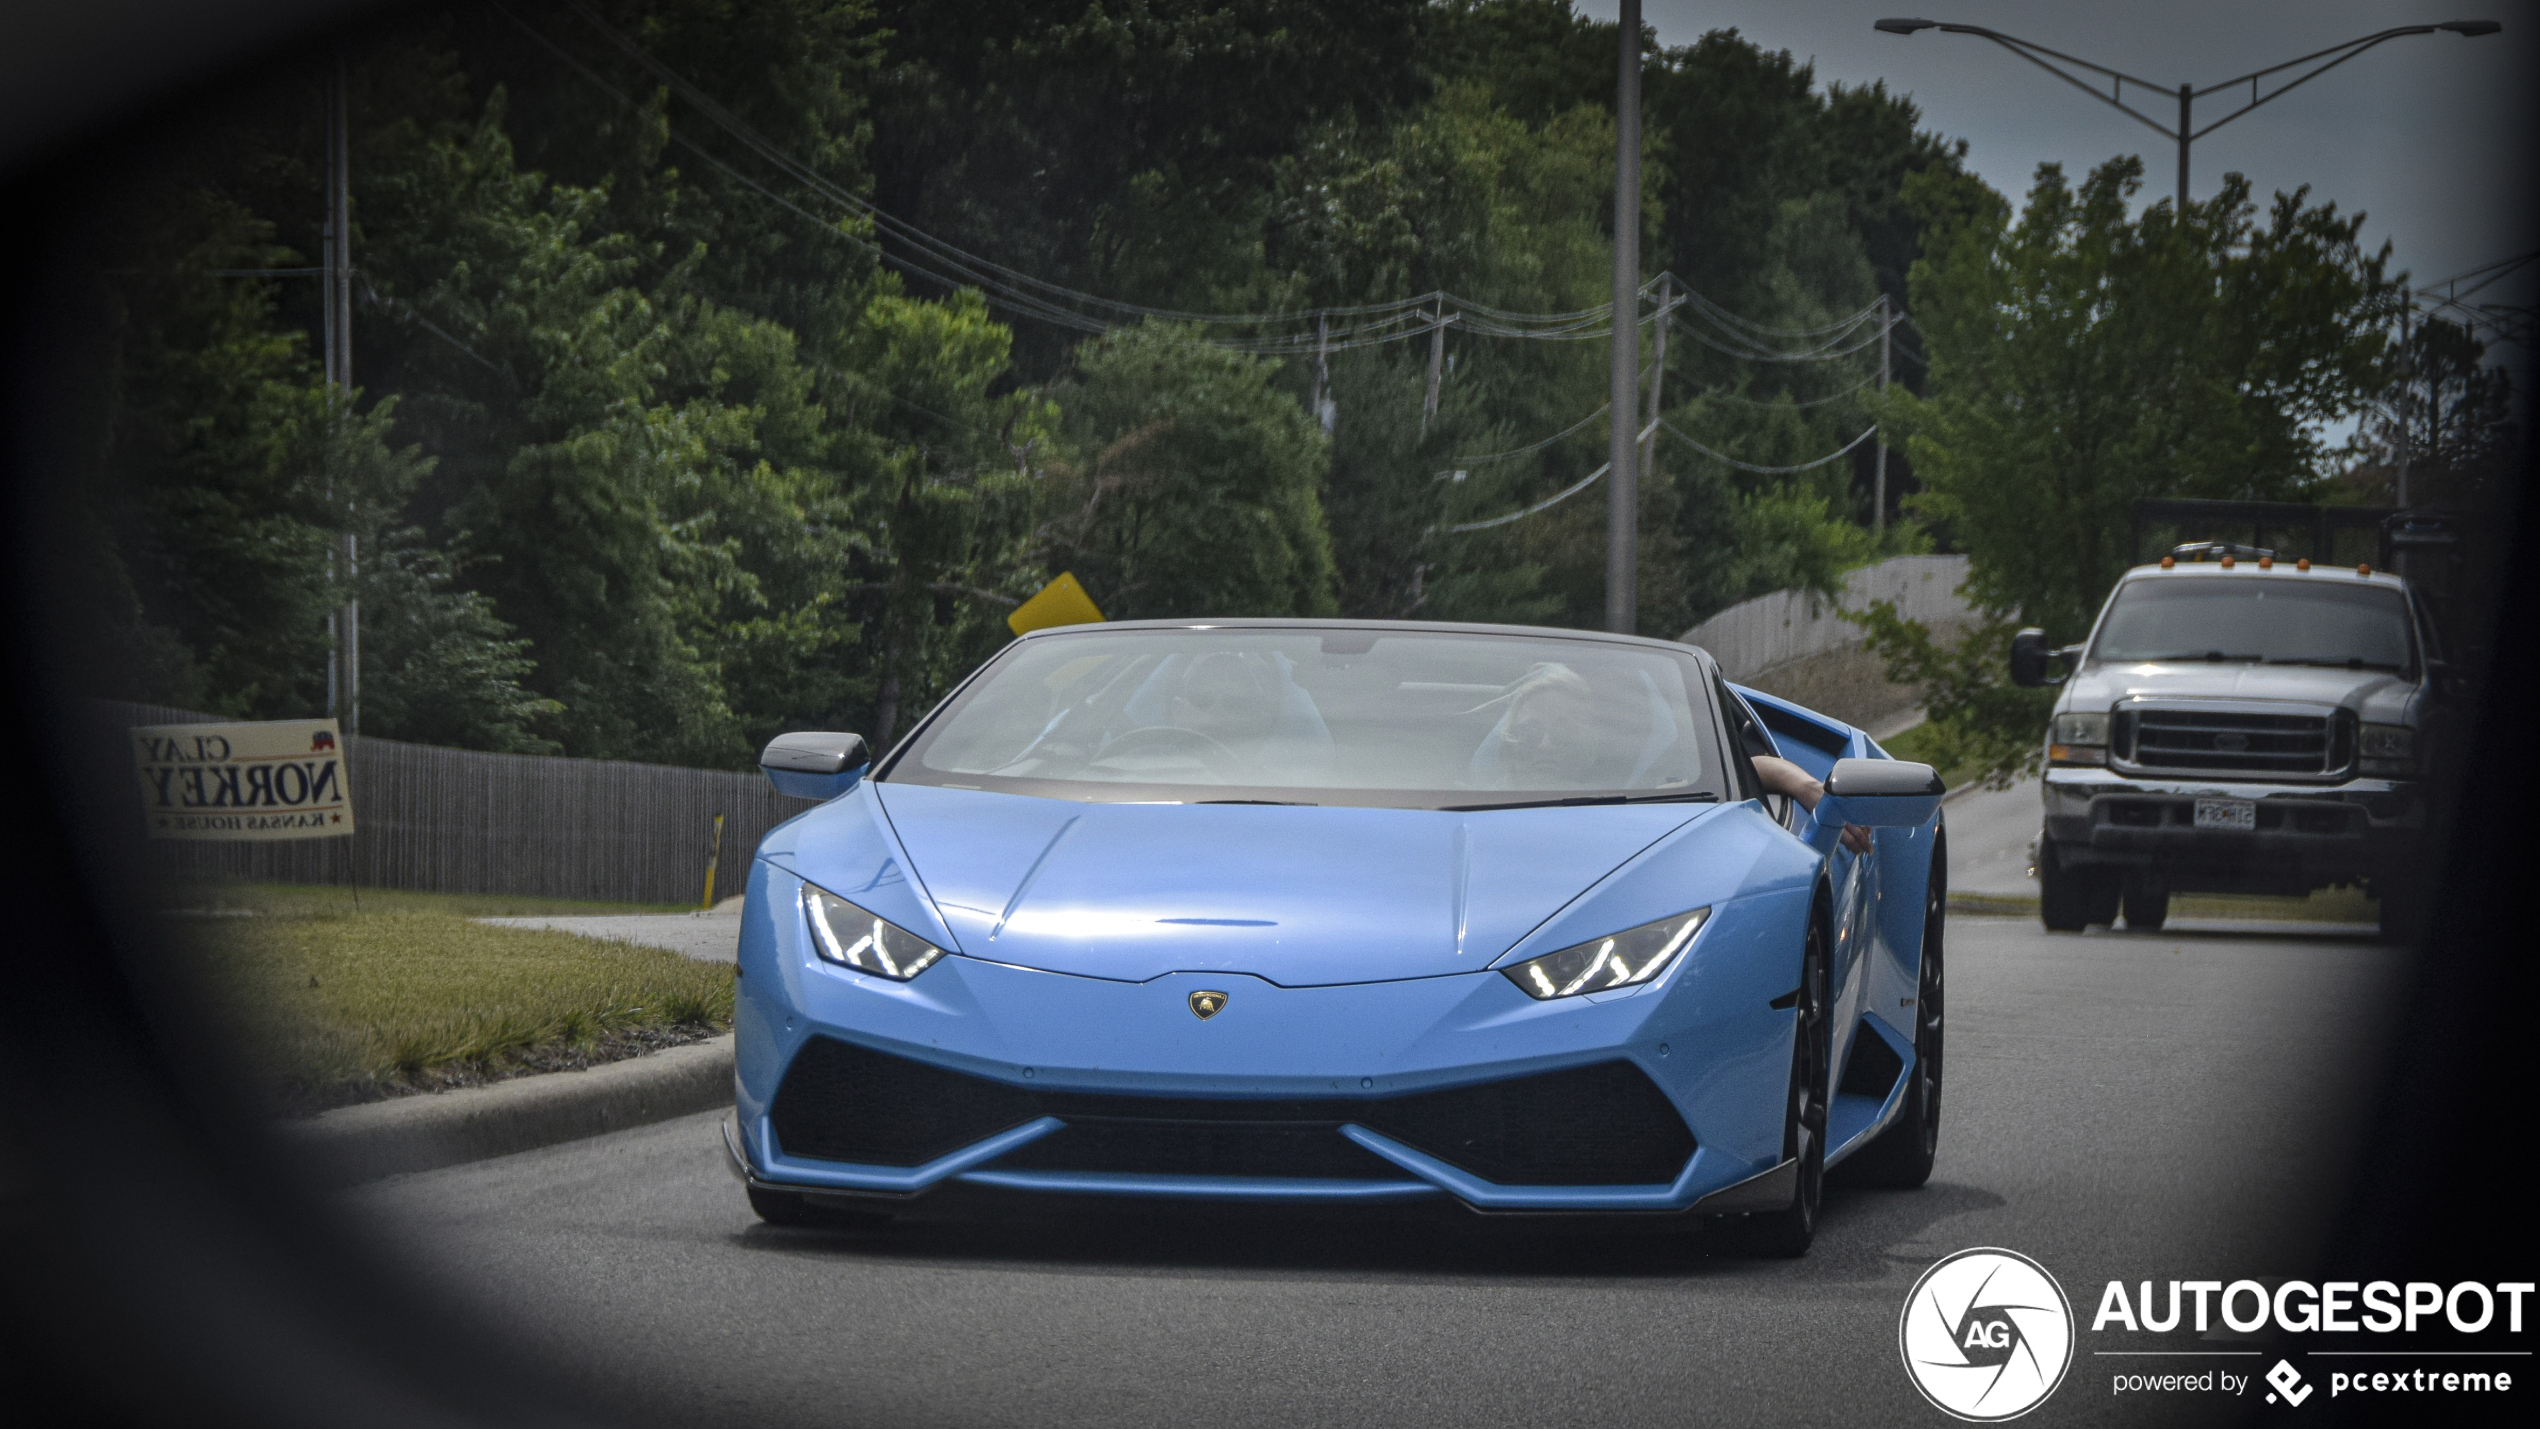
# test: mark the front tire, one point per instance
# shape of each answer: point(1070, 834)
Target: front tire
point(1902, 1157)
point(1786, 1235)
point(2147, 903)
point(2072, 896)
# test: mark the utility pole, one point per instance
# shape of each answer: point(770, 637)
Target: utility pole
point(1622, 520)
point(2186, 134)
point(1323, 371)
point(1878, 486)
point(2407, 395)
point(1658, 369)
point(1437, 367)
point(344, 662)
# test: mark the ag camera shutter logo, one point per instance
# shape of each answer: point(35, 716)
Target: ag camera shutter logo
point(1986, 1334)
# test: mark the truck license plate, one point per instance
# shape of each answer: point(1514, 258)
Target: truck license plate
point(2241, 814)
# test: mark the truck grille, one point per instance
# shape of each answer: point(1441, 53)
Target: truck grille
point(2233, 742)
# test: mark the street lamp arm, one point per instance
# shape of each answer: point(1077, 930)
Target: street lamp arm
point(2032, 52)
point(2343, 53)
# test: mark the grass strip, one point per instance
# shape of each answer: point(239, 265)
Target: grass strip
point(331, 1008)
point(311, 900)
point(2329, 905)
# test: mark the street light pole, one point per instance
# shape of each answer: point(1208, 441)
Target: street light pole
point(1622, 481)
point(2186, 133)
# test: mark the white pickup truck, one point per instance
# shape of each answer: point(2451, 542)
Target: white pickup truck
point(2236, 724)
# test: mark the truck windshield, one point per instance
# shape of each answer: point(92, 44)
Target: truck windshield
point(1322, 716)
point(2276, 620)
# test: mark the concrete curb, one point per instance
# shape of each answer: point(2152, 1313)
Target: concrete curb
point(431, 1130)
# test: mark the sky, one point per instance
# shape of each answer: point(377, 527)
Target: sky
point(2426, 134)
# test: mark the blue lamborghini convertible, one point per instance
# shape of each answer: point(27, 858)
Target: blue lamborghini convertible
point(1293, 910)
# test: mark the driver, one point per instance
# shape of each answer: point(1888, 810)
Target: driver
point(1544, 738)
point(1232, 700)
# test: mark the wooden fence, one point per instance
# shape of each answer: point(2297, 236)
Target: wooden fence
point(1774, 630)
point(459, 821)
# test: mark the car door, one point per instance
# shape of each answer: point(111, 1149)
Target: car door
point(1851, 878)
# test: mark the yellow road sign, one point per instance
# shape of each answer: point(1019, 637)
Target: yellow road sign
point(1061, 602)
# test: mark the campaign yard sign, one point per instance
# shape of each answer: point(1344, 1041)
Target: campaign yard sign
point(278, 779)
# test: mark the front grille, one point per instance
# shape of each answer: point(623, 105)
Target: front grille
point(2233, 742)
point(1606, 1124)
point(1313, 1149)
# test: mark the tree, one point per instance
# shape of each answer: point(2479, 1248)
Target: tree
point(2450, 417)
point(1197, 485)
point(2082, 359)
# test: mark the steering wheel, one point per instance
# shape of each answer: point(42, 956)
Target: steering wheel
point(1225, 763)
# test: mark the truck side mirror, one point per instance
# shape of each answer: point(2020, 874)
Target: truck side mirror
point(2030, 659)
point(814, 764)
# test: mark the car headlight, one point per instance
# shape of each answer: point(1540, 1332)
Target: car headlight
point(2078, 737)
point(849, 936)
point(1626, 959)
point(2387, 749)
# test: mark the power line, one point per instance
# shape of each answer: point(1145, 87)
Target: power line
point(1726, 460)
point(1368, 324)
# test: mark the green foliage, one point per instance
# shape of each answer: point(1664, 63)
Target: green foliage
point(2083, 359)
point(1977, 721)
point(654, 457)
point(1198, 488)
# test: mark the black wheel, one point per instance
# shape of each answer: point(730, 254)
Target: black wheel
point(784, 1208)
point(2147, 902)
point(1786, 1234)
point(2070, 896)
point(1902, 1156)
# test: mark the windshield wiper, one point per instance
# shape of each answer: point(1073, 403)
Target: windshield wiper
point(2181, 655)
point(2351, 662)
point(1283, 803)
point(1576, 801)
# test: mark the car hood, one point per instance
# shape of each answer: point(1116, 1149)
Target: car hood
point(2372, 694)
point(1296, 896)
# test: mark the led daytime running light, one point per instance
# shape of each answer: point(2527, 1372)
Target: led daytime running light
point(849, 936)
point(1626, 959)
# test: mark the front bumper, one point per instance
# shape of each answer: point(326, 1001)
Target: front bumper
point(2308, 835)
point(1010, 1077)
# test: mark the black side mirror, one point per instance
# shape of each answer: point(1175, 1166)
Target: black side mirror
point(2030, 659)
point(814, 764)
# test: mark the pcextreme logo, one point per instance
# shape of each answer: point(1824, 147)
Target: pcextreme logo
point(1986, 1334)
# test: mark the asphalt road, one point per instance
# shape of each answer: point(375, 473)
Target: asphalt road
point(2118, 1106)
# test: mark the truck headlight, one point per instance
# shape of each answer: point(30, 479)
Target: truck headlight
point(1626, 959)
point(2078, 737)
point(2387, 749)
point(849, 936)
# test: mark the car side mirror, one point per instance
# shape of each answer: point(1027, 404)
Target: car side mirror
point(2031, 659)
point(1880, 794)
point(814, 764)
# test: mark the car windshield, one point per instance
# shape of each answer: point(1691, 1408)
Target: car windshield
point(1324, 716)
point(2275, 620)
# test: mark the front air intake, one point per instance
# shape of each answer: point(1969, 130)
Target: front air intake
point(1605, 1124)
